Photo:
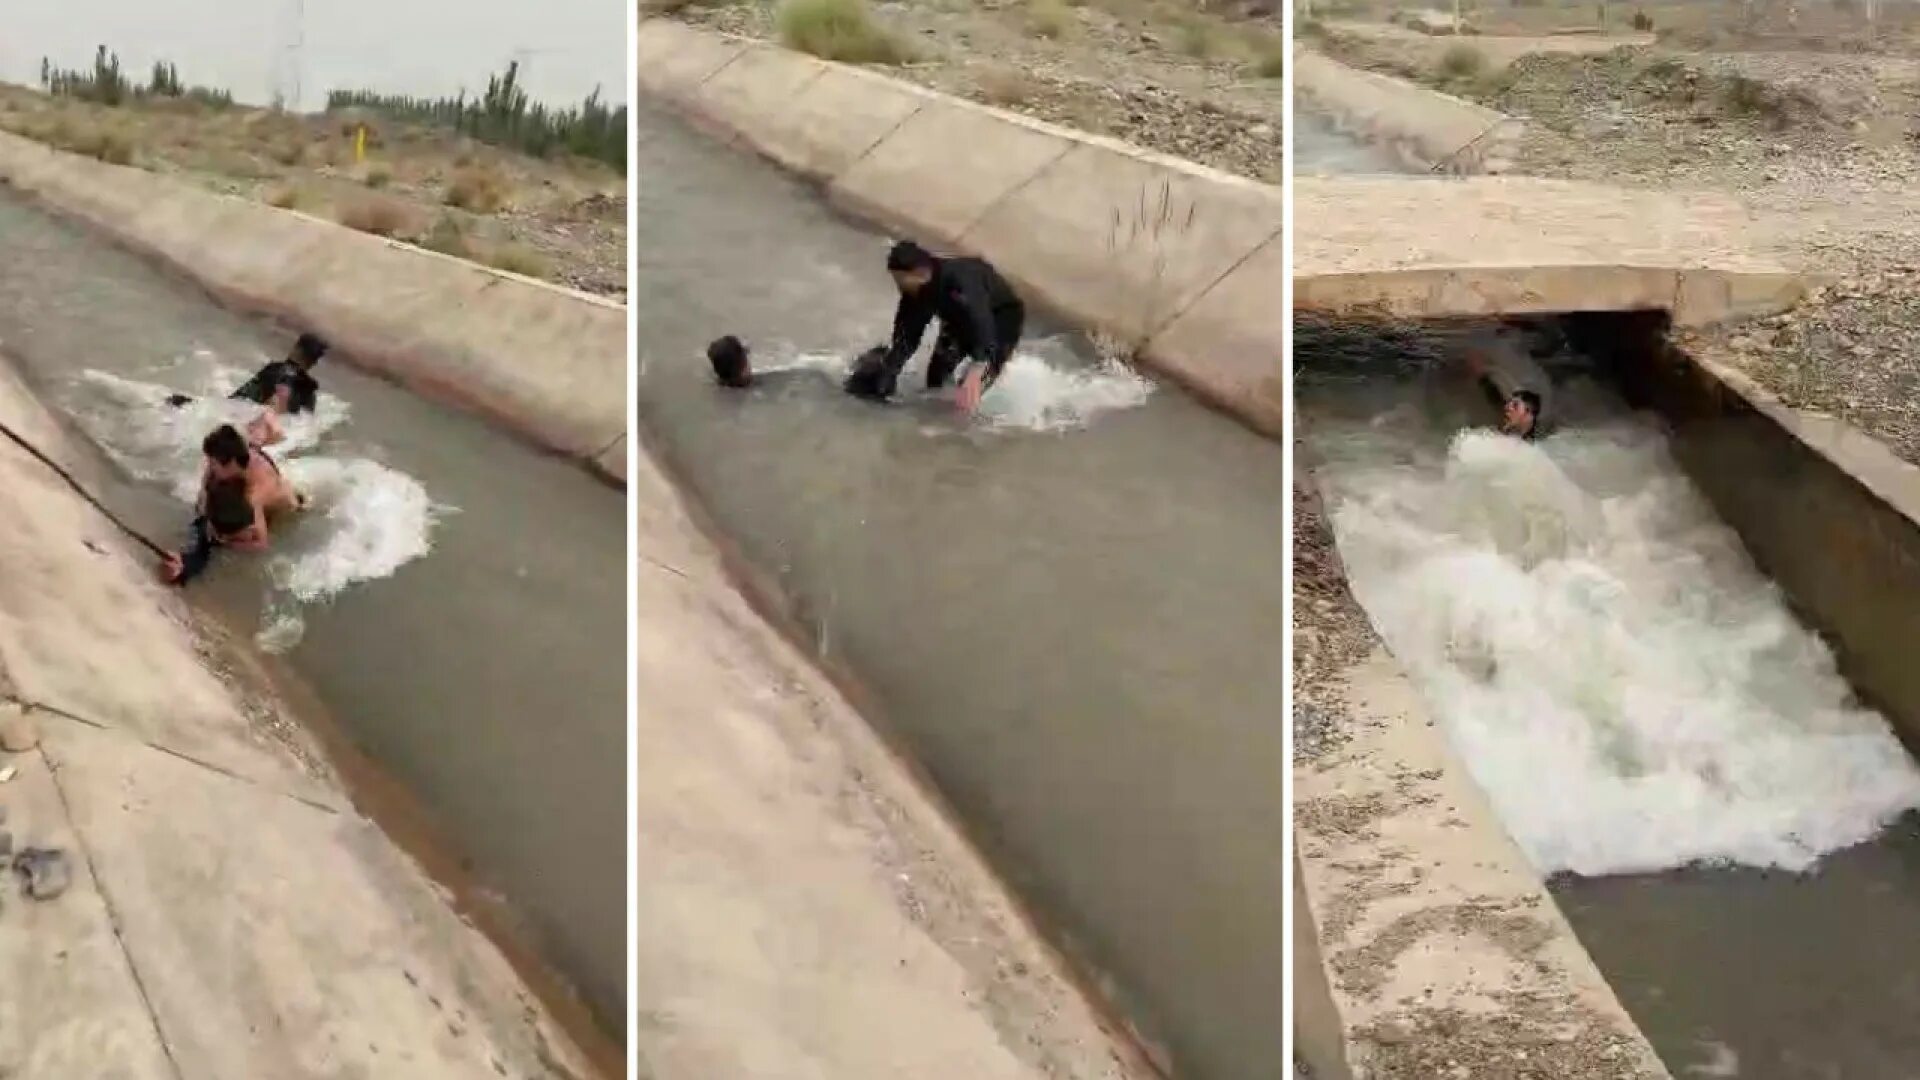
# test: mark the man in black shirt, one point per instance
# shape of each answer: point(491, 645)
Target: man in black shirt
point(980, 320)
point(295, 373)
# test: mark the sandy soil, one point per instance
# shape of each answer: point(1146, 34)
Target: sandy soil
point(1159, 74)
point(560, 220)
point(1820, 139)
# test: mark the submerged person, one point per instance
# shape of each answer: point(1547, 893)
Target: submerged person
point(240, 487)
point(1517, 390)
point(732, 364)
point(290, 379)
point(980, 321)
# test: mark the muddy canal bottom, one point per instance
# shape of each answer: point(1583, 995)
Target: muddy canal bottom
point(1070, 610)
point(1728, 829)
point(454, 597)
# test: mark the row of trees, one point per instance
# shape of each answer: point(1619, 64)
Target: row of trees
point(106, 84)
point(505, 116)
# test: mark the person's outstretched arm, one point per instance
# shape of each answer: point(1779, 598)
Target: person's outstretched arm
point(910, 321)
point(189, 564)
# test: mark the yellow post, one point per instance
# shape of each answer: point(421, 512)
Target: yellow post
point(360, 144)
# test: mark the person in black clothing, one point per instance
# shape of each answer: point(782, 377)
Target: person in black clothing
point(731, 365)
point(295, 373)
point(980, 320)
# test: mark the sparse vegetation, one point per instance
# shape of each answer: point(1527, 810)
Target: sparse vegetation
point(1049, 18)
point(505, 116)
point(448, 238)
point(1200, 38)
point(843, 30)
point(478, 189)
point(1462, 62)
point(285, 197)
point(518, 259)
point(1005, 86)
point(377, 215)
point(378, 177)
point(1269, 54)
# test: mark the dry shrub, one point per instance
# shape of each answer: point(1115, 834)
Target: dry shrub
point(378, 177)
point(1049, 18)
point(518, 259)
point(1005, 86)
point(843, 30)
point(480, 190)
point(379, 216)
point(448, 238)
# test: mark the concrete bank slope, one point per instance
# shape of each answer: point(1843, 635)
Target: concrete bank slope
point(1432, 131)
point(230, 916)
point(1182, 262)
point(1836, 522)
point(805, 911)
point(1431, 247)
point(1426, 945)
point(546, 361)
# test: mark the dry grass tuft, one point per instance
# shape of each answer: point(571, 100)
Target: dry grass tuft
point(377, 215)
point(478, 189)
point(843, 30)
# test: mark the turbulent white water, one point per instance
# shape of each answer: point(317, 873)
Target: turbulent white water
point(1033, 393)
point(1626, 687)
point(364, 522)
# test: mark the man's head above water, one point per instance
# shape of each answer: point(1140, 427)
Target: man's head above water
point(731, 365)
point(1521, 414)
point(911, 266)
point(227, 452)
point(307, 351)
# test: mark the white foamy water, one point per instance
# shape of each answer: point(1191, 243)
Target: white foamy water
point(1032, 393)
point(364, 520)
point(1626, 687)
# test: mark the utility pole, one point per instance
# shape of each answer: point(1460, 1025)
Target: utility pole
point(289, 54)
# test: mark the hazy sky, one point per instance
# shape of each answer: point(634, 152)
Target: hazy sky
point(427, 47)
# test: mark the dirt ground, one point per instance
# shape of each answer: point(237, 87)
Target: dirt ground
point(1203, 85)
point(1814, 124)
point(564, 221)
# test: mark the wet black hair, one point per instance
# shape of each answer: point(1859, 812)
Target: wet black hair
point(729, 359)
point(228, 509)
point(1531, 400)
point(310, 347)
point(907, 255)
point(868, 377)
point(226, 445)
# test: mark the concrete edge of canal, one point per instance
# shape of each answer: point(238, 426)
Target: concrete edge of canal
point(1183, 263)
point(443, 326)
point(1430, 130)
point(230, 913)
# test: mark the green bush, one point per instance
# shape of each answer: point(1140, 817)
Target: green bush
point(843, 30)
